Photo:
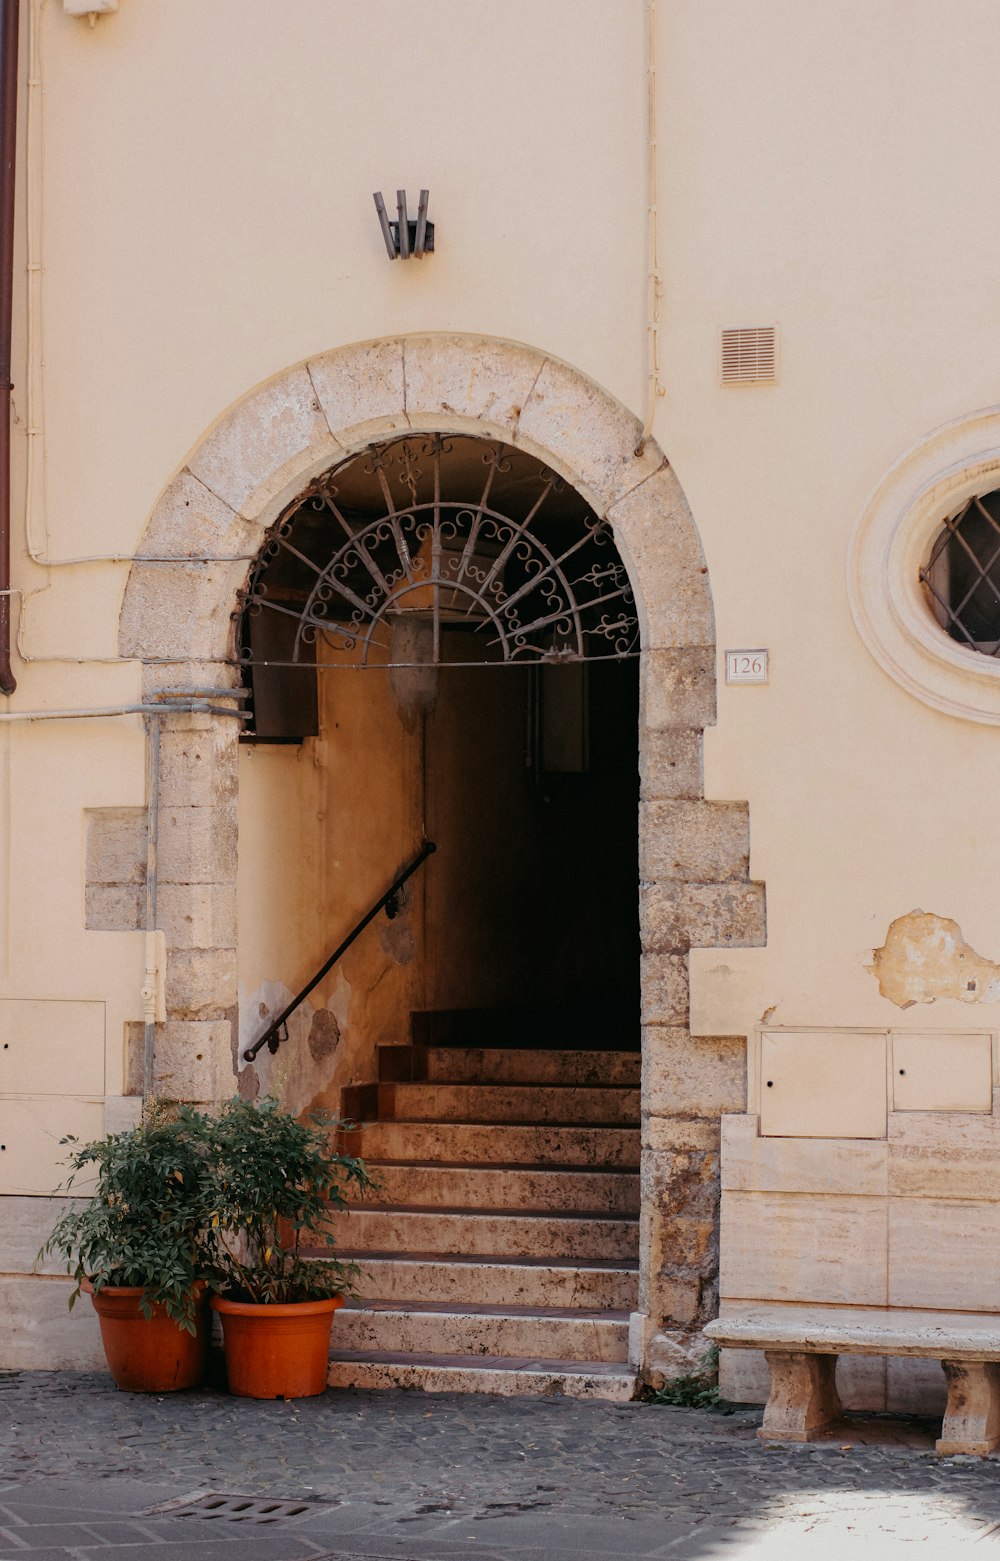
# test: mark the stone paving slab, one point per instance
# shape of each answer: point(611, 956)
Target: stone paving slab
point(396, 1476)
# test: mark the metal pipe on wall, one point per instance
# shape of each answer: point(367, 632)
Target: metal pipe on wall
point(152, 834)
point(654, 389)
point(9, 17)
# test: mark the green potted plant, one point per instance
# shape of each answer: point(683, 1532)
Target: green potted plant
point(276, 1182)
point(138, 1246)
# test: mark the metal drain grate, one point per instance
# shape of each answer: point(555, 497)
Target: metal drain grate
point(233, 1509)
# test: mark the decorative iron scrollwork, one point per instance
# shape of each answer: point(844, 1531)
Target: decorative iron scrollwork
point(522, 572)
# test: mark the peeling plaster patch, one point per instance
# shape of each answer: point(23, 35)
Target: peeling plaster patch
point(324, 1035)
point(925, 958)
point(396, 940)
point(248, 1085)
point(338, 1001)
point(256, 1011)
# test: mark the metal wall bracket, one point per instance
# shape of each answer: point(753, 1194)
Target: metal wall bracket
point(404, 238)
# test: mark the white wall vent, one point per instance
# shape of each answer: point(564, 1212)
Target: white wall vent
point(750, 355)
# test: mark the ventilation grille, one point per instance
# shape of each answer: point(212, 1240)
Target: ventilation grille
point(750, 355)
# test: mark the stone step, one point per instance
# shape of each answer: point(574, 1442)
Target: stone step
point(485, 1232)
point(384, 1327)
point(483, 1374)
point(524, 1103)
point(604, 1148)
point(435, 1278)
point(500, 1065)
point(506, 1187)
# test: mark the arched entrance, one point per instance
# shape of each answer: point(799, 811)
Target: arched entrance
point(426, 562)
point(179, 617)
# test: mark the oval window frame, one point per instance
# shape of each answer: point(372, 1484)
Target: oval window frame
point(890, 545)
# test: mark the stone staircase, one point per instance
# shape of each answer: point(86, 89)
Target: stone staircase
point(501, 1252)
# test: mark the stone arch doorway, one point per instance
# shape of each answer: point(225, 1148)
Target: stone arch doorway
point(452, 628)
point(178, 620)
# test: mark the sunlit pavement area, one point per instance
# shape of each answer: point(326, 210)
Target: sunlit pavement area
point(89, 1472)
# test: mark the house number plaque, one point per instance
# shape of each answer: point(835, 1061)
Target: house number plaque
point(746, 666)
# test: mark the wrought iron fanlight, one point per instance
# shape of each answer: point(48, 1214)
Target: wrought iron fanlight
point(388, 561)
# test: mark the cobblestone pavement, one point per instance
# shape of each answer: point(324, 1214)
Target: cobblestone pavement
point(416, 1477)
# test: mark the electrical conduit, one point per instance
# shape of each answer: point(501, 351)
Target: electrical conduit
point(9, 10)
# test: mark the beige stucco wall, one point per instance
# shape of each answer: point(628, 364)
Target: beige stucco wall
point(206, 220)
point(205, 274)
point(324, 827)
point(836, 219)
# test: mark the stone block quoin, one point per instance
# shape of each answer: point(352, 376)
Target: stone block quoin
point(115, 869)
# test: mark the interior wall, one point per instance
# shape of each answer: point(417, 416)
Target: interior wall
point(532, 896)
point(325, 825)
point(529, 901)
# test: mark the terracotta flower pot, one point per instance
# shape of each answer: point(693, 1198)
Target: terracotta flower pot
point(148, 1356)
point(277, 1351)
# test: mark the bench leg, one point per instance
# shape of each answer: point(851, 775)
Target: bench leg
point(972, 1418)
point(804, 1398)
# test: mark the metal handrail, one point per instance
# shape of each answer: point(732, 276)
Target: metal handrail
point(272, 1037)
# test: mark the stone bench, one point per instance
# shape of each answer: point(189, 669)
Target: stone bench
point(801, 1344)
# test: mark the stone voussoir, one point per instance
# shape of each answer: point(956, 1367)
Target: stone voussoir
point(659, 544)
point(583, 431)
point(276, 435)
point(362, 390)
point(484, 381)
point(179, 610)
point(190, 521)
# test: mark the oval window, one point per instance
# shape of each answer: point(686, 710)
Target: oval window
point(961, 577)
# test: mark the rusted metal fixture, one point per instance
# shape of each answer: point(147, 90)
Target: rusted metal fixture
point(277, 1031)
point(9, 10)
point(404, 238)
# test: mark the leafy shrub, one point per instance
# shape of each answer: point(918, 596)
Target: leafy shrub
point(147, 1220)
point(275, 1181)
